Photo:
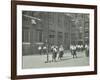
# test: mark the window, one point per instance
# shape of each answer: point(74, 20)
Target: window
point(39, 36)
point(60, 38)
point(25, 35)
point(65, 39)
point(80, 35)
point(51, 37)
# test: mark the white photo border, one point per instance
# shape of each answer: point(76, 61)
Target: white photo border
point(21, 71)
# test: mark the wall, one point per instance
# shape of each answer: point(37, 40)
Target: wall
point(5, 40)
point(52, 27)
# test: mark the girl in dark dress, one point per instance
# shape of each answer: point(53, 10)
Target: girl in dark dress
point(54, 54)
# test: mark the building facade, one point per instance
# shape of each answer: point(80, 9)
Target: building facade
point(53, 28)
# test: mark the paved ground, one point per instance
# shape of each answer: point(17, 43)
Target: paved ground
point(38, 61)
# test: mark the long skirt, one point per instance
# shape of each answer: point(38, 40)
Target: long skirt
point(54, 55)
point(61, 54)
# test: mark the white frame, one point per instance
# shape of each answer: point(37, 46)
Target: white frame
point(21, 71)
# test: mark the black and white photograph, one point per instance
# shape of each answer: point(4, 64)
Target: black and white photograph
point(54, 39)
